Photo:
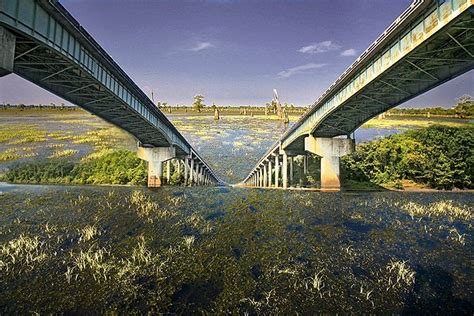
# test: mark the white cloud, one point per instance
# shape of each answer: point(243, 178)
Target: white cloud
point(299, 69)
point(349, 52)
point(321, 47)
point(201, 46)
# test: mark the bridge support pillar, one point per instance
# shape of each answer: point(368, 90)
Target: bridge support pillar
point(155, 157)
point(291, 170)
point(277, 170)
point(168, 171)
point(7, 51)
point(284, 169)
point(186, 170)
point(269, 173)
point(330, 150)
point(265, 175)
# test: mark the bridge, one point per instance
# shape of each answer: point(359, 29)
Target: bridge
point(430, 43)
point(41, 42)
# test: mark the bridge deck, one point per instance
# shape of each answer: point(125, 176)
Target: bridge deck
point(56, 53)
point(430, 43)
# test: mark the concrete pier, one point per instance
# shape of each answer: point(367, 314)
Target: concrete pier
point(269, 173)
point(277, 170)
point(330, 150)
point(186, 170)
point(155, 157)
point(284, 169)
point(191, 172)
point(290, 163)
point(7, 51)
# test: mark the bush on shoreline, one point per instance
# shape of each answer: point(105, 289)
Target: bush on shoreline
point(118, 167)
point(440, 157)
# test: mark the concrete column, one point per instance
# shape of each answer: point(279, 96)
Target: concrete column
point(305, 164)
point(284, 170)
point(277, 170)
point(291, 170)
point(178, 166)
point(330, 150)
point(168, 171)
point(198, 174)
point(191, 173)
point(265, 176)
point(269, 173)
point(186, 170)
point(261, 177)
point(155, 156)
point(7, 51)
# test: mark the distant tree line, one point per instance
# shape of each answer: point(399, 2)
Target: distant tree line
point(464, 108)
point(51, 106)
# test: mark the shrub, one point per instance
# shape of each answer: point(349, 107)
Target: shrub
point(440, 157)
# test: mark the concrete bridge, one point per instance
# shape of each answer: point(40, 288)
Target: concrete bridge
point(430, 43)
point(41, 42)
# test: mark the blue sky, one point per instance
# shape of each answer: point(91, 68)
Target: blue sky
point(235, 51)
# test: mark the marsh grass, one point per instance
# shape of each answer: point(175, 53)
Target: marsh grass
point(63, 153)
point(445, 208)
point(240, 251)
point(22, 252)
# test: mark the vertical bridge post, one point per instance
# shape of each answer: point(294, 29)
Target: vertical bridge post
point(330, 150)
point(155, 156)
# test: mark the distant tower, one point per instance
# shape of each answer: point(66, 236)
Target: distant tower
point(278, 104)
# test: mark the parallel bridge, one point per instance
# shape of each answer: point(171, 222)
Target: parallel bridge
point(429, 44)
point(41, 42)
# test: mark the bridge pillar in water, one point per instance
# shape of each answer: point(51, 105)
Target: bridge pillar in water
point(284, 169)
point(269, 173)
point(290, 163)
point(168, 171)
point(277, 170)
point(186, 170)
point(265, 175)
point(155, 156)
point(7, 51)
point(330, 150)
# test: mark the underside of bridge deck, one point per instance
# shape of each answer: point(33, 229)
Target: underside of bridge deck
point(447, 55)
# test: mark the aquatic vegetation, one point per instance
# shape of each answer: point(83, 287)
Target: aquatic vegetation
point(23, 250)
point(316, 283)
point(232, 250)
point(63, 153)
point(403, 275)
point(189, 241)
point(9, 154)
point(93, 260)
point(88, 232)
point(440, 208)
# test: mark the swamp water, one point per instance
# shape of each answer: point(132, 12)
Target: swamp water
point(86, 249)
point(233, 250)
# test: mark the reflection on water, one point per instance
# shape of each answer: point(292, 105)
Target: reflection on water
point(226, 250)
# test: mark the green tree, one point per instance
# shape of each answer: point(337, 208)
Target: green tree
point(465, 106)
point(198, 103)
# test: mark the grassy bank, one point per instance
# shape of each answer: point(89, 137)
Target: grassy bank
point(439, 157)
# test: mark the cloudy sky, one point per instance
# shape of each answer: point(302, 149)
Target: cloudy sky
point(234, 51)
